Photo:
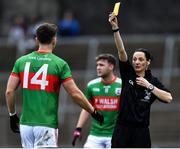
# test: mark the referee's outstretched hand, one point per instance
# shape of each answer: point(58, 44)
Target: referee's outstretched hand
point(14, 123)
point(98, 116)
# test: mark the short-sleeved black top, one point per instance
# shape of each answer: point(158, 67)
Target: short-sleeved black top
point(135, 100)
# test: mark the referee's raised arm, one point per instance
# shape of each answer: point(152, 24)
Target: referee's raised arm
point(117, 37)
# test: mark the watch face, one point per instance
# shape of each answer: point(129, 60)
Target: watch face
point(151, 87)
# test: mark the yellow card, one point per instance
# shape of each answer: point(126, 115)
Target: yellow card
point(116, 8)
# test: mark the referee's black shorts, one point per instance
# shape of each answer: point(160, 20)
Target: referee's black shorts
point(131, 137)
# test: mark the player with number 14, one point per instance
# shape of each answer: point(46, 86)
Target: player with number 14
point(40, 75)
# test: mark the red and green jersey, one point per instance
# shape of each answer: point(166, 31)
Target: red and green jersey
point(41, 75)
point(105, 97)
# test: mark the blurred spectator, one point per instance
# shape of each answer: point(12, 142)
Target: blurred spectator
point(34, 23)
point(69, 26)
point(20, 36)
point(17, 32)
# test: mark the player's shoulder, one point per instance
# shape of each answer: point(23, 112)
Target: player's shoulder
point(118, 80)
point(34, 54)
point(94, 81)
point(24, 57)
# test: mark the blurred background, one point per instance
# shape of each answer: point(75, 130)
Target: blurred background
point(84, 33)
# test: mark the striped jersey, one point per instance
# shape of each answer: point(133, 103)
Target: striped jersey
point(41, 75)
point(105, 97)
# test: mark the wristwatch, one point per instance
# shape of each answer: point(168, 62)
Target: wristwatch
point(151, 88)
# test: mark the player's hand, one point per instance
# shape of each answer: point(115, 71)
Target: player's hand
point(14, 123)
point(98, 116)
point(76, 135)
point(113, 21)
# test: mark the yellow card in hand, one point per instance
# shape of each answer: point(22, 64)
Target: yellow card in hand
point(116, 8)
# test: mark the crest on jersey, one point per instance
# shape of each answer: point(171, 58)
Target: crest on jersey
point(147, 96)
point(96, 89)
point(118, 91)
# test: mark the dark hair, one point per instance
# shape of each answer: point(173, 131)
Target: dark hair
point(106, 56)
point(146, 52)
point(45, 33)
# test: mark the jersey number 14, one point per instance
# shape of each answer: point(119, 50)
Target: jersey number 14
point(34, 80)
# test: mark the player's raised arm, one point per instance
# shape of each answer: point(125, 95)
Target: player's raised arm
point(117, 37)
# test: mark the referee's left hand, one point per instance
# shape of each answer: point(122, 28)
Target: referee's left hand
point(142, 82)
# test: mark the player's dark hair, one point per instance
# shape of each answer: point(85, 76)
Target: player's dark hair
point(146, 52)
point(45, 33)
point(106, 56)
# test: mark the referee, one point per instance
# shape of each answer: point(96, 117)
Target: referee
point(139, 90)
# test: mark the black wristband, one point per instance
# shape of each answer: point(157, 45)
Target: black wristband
point(115, 30)
point(94, 112)
point(78, 129)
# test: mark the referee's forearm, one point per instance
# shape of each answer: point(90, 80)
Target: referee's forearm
point(163, 95)
point(120, 46)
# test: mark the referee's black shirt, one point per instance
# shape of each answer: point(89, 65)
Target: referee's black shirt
point(135, 100)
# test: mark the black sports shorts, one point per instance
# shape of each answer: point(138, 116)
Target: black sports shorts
point(131, 137)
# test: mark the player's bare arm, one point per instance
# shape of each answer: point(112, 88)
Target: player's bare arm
point(77, 95)
point(84, 116)
point(12, 85)
point(117, 37)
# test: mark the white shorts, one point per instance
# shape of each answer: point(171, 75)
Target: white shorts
point(97, 142)
point(38, 136)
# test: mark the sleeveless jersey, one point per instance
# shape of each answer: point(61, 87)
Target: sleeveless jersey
point(105, 97)
point(41, 75)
